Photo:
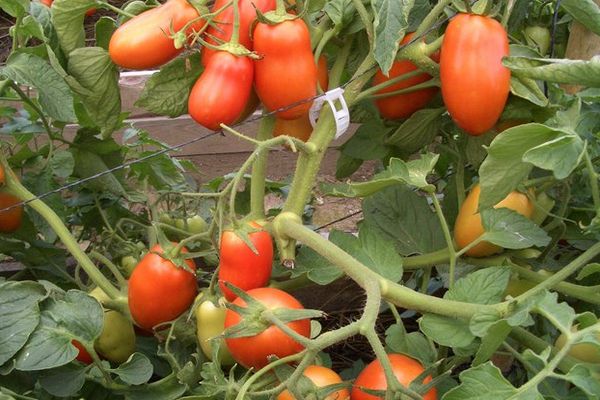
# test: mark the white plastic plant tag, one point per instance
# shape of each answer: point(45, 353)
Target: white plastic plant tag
point(341, 116)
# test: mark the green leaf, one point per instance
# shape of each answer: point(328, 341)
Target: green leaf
point(582, 377)
point(417, 131)
point(15, 8)
point(77, 315)
point(584, 11)
point(134, 8)
point(63, 381)
point(561, 313)
point(89, 164)
point(446, 331)
point(575, 72)
point(19, 315)
point(509, 229)
point(372, 250)
point(341, 13)
point(346, 166)
point(104, 30)
point(485, 286)
point(317, 268)
point(135, 371)
point(528, 89)
point(54, 94)
point(588, 270)
point(62, 163)
point(484, 381)
point(504, 168)
point(561, 155)
point(99, 91)
point(67, 17)
point(493, 339)
point(415, 228)
point(167, 92)
point(413, 344)
point(367, 143)
point(389, 26)
point(168, 388)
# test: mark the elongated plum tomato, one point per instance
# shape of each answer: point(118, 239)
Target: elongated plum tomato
point(372, 377)
point(223, 23)
point(159, 291)
point(221, 93)
point(474, 82)
point(253, 351)
point(82, 355)
point(48, 3)
point(403, 105)
point(286, 73)
point(301, 128)
point(210, 323)
point(10, 220)
point(320, 376)
point(468, 225)
point(142, 42)
point(241, 266)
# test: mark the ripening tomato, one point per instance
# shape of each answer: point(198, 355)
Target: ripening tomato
point(372, 377)
point(253, 351)
point(48, 3)
point(159, 291)
point(83, 355)
point(221, 93)
point(1, 175)
point(10, 220)
point(403, 105)
point(468, 225)
point(142, 42)
point(320, 376)
point(474, 82)
point(241, 266)
point(223, 23)
point(286, 73)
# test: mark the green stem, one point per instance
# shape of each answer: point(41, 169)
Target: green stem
point(335, 75)
point(460, 182)
point(27, 100)
point(507, 12)
point(365, 18)
point(287, 225)
point(593, 180)
point(235, 35)
point(14, 187)
point(447, 236)
point(112, 267)
point(106, 4)
point(426, 260)
point(257, 181)
point(431, 18)
point(420, 86)
point(539, 345)
point(327, 36)
point(397, 79)
point(15, 44)
point(280, 8)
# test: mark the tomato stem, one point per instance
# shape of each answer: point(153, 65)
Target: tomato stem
point(431, 18)
point(112, 267)
point(257, 180)
point(593, 176)
point(374, 89)
point(107, 5)
point(447, 236)
point(280, 8)
point(366, 20)
point(235, 34)
point(415, 88)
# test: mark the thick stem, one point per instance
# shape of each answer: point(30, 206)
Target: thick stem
point(14, 187)
point(257, 181)
point(430, 19)
point(426, 260)
point(593, 181)
point(374, 89)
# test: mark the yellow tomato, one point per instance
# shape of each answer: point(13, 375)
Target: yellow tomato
point(468, 225)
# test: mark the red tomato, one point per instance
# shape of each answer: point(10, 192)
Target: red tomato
point(221, 93)
point(223, 23)
point(323, 73)
point(372, 377)
point(240, 266)
point(475, 84)
point(402, 105)
point(142, 42)
point(250, 107)
point(252, 351)
point(321, 377)
point(10, 220)
point(1, 175)
point(159, 291)
point(48, 3)
point(83, 356)
point(287, 73)
point(299, 128)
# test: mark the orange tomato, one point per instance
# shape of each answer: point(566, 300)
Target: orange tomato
point(320, 376)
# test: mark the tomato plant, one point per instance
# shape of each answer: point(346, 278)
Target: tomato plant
point(10, 220)
point(159, 290)
point(475, 84)
point(286, 73)
point(321, 376)
point(221, 93)
point(88, 13)
point(143, 41)
point(210, 323)
point(372, 377)
point(586, 352)
point(241, 265)
point(253, 351)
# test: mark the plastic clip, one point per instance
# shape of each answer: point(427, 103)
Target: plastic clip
point(341, 116)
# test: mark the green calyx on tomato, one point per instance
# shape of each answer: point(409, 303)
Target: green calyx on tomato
point(159, 290)
point(117, 339)
point(245, 258)
point(251, 339)
point(210, 323)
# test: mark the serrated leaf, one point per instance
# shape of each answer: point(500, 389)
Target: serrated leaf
point(63, 381)
point(413, 344)
point(99, 78)
point(504, 168)
point(54, 94)
point(446, 331)
point(19, 315)
point(416, 229)
point(167, 92)
point(562, 313)
point(485, 286)
point(62, 163)
point(492, 340)
point(367, 143)
point(484, 381)
point(418, 130)
point(584, 11)
point(89, 164)
point(574, 72)
point(528, 89)
point(561, 155)
point(584, 379)
point(67, 18)
point(317, 268)
point(104, 29)
point(389, 26)
point(136, 370)
point(509, 229)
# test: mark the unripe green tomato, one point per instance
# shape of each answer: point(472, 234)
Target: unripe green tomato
point(196, 224)
point(128, 263)
point(210, 322)
point(117, 340)
point(538, 36)
point(585, 352)
point(166, 219)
